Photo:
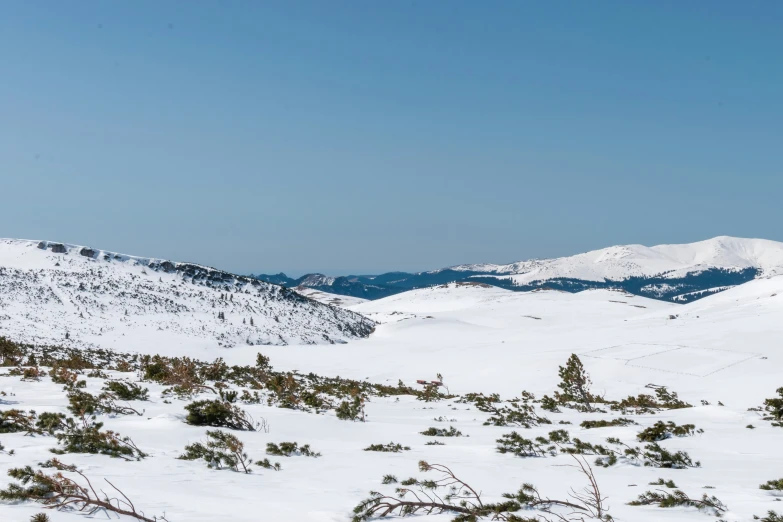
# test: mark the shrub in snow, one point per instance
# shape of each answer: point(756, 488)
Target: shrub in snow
point(663, 400)
point(652, 455)
point(660, 431)
point(442, 432)
point(521, 447)
point(515, 412)
point(56, 491)
point(218, 414)
point(49, 423)
point(66, 377)
point(16, 421)
point(668, 483)
point(574, 385)
point(431, 393)
point(678, 498)
point(88, 438)
point(620, 421)
point(387, 448)
point(268, 465)
point(40, 517)
point(772, 516)
point(289, 449)
point(126, 391)
point(11, 353)
point(222, 450)
point(549, 404)
point(772, 485)
point(352, 410)
point(28, 374)
point(447, 493)
point(774, 406)
point(84, 404)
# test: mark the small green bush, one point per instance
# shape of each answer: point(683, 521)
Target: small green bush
point(218, 414)
point(773, 485)
point(127, 391)
point(442, 432)
point(660, 431)
point(221, 450)
point(388, 448)
point(621, 421)
point(289, 449)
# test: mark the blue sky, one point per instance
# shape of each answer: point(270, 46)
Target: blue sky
point(372, 136)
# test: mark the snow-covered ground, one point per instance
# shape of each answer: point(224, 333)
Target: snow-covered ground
point(725, 347)
point(343, 301)
point(87, 297)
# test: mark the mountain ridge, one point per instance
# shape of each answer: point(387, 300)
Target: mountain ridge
point(59, 293)
point(674, 272)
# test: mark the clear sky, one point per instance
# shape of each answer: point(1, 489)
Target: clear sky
point(369, 136)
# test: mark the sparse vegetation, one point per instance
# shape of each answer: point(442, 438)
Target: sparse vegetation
point(442, 432)
point(290, 449)
point(56, 491)
point(664, 499)
point(515, 412)
point(774, 408)
point(221, 450)
point(621, 421)
point(387, 448)
point(218, 414)
point(416, 496)
point(772, 485)
point(88, 438)
point(664, 430)
point(126, 391)
point(574, 385)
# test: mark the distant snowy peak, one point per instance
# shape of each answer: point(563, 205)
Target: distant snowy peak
point(621, 262)
point(311, 280)
point(57, 293)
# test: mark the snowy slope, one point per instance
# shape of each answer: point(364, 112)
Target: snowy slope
point(725, 347)
point(49, 291)
point(620, 262)
point(343, 301)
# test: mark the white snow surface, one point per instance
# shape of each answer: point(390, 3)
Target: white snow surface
point(725, 347)
point(118, 301)
point(343, 301)
point(620, 262)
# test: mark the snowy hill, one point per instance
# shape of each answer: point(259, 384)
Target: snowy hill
point(721, 354)
point(621, 262)
point(676, 273)
point(343, 301)
point(53, 293)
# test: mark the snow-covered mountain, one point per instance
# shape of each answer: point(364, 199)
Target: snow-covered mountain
point(677, 273)
point(67, 294)
point(621, 262)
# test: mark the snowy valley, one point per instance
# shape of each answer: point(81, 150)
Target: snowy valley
point(716, 359)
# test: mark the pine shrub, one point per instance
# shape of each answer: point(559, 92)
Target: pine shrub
point(221, 450)
point(290, 449)
point(218, 414)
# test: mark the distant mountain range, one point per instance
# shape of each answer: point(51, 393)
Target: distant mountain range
point(677, 273)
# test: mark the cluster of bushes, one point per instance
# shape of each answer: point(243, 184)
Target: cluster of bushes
point(515, 412)
point(290, 449)
point(652, 454)
point(387, 448)
point(442, 432)
point(664, 430)
point(620, 421)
